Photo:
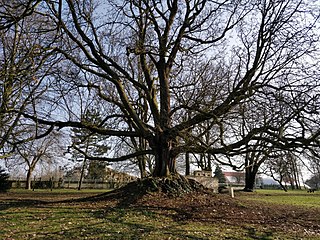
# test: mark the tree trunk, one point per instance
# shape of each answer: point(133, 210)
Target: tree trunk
point(82, 173)
point(165, 161)
point(201, 165)
point(28, 182)
point(282, 186)
point(142, 166)
point(250, 178)
point(296, 176)
point(209, 167)
point(187, 163)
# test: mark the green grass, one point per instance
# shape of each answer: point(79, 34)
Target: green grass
point(75, 222)
point(23, 218)
point(296, 197)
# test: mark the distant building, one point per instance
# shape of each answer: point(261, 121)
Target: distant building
point(239, 178)
point(205, 178)
point(235, 177)
point(202, 173)
point(113, 175)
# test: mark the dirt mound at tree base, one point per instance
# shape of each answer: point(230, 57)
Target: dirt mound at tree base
point(172, 186)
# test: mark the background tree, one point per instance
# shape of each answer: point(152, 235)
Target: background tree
point(31, 154)
point(277, 170)
point(84, 143)
point(141, 164)
point(4, 183)
point(314, 181)
point(313, 166)
point(97, 170)
point(219, 174)
point(284, 167)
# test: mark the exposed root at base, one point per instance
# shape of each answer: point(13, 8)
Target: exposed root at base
point(173, 186)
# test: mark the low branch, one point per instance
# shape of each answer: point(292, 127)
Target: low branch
point(95, 129)
point(117, 159)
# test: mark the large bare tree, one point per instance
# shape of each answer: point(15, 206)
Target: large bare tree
point(163, 69)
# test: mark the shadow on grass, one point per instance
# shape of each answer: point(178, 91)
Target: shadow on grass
point(126, 230)
point(19, 203)
point(114, 223)
point(173, 231)
point(150, 226)
point(125, 196)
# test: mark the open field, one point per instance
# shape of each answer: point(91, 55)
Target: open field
point(61, 215)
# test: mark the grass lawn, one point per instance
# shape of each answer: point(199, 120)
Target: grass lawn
point(44, 214)
point(296, 198)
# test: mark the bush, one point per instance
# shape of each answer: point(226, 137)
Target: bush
point(4, 183)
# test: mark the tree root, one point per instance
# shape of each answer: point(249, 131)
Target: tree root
point(175, 185)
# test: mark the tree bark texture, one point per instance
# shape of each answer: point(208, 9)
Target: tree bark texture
point(250, 178)
point(165, 161)
point(28, 183)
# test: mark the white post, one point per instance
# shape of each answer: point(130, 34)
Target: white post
point(232, 192)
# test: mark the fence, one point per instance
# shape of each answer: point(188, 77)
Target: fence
point(67, 183)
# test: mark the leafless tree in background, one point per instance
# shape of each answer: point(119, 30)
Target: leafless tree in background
point(45, 151)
